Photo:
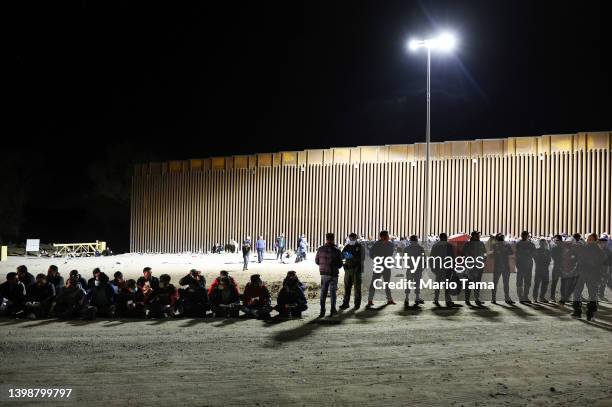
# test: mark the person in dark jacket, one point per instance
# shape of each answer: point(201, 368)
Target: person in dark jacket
point(91, 283)
point(606, 270)
point(39, 298)
point(101, 298)
point(54, 277)
point(542, 262)
point(557, 256)
point(382, 248)
point(475, 249)
point(79, 280)
point(256, 299)
point(147, 282)
point(161, 303)
point(291, 299)
point(590, 259)
point(12, 295)
point(525, 252)
point(440, 253)
point(69, 303)
point(25, 276)
point(130, 300)
point(329, 260)
point(353, 254)
point(193, 299)
point(415, 251)
point(224, 296)
point(501, 256)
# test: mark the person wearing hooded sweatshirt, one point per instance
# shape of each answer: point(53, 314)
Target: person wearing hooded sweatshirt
point(79, 280)
point(69, 303)
point(353, 254)
point(291, 299)
point(101, 297)
point(416, 252)
point(525, 251)
point(12, 295)
point(193, 300)
point(475, 249)
point(39, 297)
point(256, 298)
point(54, 277)
point(25, 276)
point(224, 296)
point(542, 261)
point(590, 259)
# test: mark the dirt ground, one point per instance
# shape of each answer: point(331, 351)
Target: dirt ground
point(499, 355)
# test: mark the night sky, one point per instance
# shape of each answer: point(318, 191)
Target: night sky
point(94, 87)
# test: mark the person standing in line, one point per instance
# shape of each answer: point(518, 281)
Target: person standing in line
point(382, 248)
point(542, 261)
point(246, 252)
point(414, 250)
point(440, 253)
point(606, 271)
point(260, 245)
point(353, 253)
point(501, 256)
point(525, 251)
point(590, 259)
point(556, 254)
point(280, 247)
point(329, 260)
point(475, 248)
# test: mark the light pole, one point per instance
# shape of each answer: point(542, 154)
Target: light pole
point(445, 42)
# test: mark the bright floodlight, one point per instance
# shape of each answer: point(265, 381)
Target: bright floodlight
point(445, 42)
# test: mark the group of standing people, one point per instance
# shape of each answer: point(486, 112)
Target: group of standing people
point(576, 264)
point(279, 248)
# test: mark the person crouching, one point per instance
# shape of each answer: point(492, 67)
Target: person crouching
point(256, 299)
point(291, 299)
point(161, 303)
point(101, 298)
point(193, 299)
point(39, 297)
point(130, 300)
point(224, 296)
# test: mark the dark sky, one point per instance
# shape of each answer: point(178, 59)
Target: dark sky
point(95, 86)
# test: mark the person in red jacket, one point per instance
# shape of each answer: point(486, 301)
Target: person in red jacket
point(224, 296)
point(256, 299)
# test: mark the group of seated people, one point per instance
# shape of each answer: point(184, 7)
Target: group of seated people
point(26, 296)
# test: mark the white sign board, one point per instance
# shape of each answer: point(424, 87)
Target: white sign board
point(32, 245)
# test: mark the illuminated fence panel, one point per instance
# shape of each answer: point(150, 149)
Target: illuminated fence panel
point(547, 185)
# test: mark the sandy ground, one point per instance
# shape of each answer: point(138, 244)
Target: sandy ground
point(499, 355)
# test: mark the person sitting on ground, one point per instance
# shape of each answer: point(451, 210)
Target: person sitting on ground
point(161, 303)
point(39, 297)
point(80, 280)
point(69, 303)
point(147, 282)
point(102, 297)
point(292, 274)
point(12, 295)
point(107, 251)
point(291, 299)
point(256, 299)
point(130, 300)
point(24, 276)
point(91, 283)
point(193, 300)
point(117, 280)
point(54, 278)
point(224, 296)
